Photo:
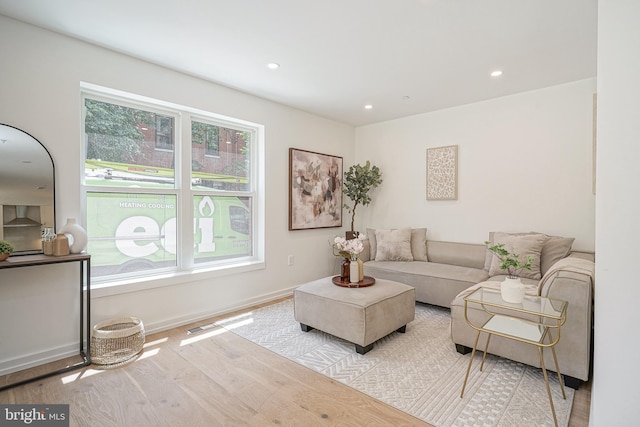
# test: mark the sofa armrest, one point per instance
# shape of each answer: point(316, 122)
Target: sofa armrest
point(572, 279)
point(565, 271)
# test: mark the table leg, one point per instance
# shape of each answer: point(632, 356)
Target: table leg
point(473, 352)
point(486, 349)
point(546, 381)
point(555, 360)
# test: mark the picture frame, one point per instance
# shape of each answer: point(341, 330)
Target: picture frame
point(315, 190)
point(442, 173)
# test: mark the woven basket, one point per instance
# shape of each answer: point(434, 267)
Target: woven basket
point(117, 340)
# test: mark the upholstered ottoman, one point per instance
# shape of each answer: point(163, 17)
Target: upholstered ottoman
point(358, 315)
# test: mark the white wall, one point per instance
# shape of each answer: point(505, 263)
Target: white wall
point(615, 393)
point(39, 86)
point(525, 164)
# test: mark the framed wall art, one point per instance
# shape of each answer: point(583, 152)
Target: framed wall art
point(442, 173)
point(315, 190)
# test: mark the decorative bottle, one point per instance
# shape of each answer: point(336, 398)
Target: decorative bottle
point(47, 240)
point(78, 235)
point(345, 270)
point(360, 269)
point(354, 271)
point(60, 245)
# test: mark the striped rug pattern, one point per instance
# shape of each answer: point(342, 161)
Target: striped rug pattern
point(418, 372)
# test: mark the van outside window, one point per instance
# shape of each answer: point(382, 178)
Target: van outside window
point(140, 218)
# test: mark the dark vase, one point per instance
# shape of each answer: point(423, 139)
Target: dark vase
point(351, 235)
point(344, 270)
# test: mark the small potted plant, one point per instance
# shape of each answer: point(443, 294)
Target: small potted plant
point(512, 288)
point(358, 181)
point(5, 249)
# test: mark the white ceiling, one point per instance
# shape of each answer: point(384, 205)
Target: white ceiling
point(338, 55)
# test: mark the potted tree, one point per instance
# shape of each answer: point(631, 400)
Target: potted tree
point(5, 249)
point(358, 181)
point(512, 288)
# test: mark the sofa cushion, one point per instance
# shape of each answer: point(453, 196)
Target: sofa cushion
point(393, 245)
point(435, 283)
point(371, 236)
point(523, 246)
point(418, 244)
point(554, 248)
point(453, 253)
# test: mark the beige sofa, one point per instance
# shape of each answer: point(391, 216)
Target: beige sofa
point(444, 272)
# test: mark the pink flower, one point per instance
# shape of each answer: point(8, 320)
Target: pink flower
point(348, 248)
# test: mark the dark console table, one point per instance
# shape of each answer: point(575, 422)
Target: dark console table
point(85, 284)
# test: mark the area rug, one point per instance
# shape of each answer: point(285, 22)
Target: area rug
point(418, 372)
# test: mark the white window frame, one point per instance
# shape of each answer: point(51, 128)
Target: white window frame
point(186, 270)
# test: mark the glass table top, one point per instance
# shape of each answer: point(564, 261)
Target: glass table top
point(531, 304)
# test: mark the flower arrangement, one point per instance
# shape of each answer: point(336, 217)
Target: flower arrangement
point(509, 261)
point(348, 248)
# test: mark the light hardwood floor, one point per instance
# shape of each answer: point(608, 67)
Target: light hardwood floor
point(217, 380)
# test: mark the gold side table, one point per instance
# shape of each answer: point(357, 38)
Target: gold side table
point(531, 322)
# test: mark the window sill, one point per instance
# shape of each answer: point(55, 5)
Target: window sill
point(100, 290)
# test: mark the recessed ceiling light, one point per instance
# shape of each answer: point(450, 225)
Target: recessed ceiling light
point(273, 66)
point(368, 107)
point(496, 73)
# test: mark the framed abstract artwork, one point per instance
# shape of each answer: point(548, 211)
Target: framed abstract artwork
point(442, 173)
point(315, 190)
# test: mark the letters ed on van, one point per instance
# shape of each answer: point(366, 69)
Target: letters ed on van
point(315, 190)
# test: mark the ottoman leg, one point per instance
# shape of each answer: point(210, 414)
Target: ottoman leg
point(305, 328)
point(402, 330)
point(363, 350)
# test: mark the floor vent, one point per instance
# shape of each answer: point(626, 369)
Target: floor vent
point(200, 328)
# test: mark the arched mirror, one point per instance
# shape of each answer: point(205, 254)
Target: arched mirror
point(27, 190)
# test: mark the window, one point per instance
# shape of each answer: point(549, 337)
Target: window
point(164, 132)
point(145, 215)
point(205, 136)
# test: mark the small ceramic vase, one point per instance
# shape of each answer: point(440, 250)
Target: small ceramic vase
point(512, 290)
point(78, 235)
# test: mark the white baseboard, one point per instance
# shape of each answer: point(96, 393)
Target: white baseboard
point(20, 363)
point(16, 364)
point(195, 317)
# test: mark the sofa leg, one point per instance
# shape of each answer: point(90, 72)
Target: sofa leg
point(305, 328)
point(402, 330)
point(463, 349)
point(362, 350)
point(572, 382)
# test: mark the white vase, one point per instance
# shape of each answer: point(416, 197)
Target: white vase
point(512, 290)
point(78, 240)
point(354, 271)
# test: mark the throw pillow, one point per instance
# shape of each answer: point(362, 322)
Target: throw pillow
point(393, 245)
point(371, 235)
point(554, 249)
point(419, 244)
point(499, 237)
point(524, 246)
